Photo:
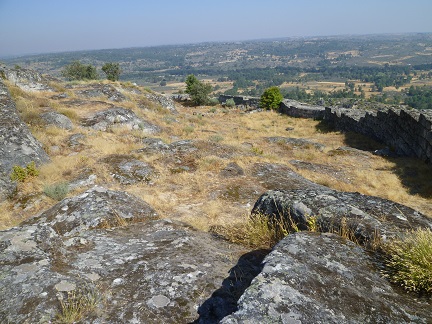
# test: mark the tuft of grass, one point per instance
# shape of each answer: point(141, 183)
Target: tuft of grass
point(77, 305)
point(256, 232)
point(57, 191)
point(409, 261)
point(115, 221)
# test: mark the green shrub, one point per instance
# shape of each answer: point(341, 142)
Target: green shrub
point(21, 174)
point(198, 91)
point(31, 169)
point(213, 102)
point(230, 103)
point(78, 71)
point(409, 261)
point(112, 71)
point(271, 98)
point(57, 191)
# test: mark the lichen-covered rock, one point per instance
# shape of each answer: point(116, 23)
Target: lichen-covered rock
point(75, 142)
point(95, 208)
point(56, 119)
point(17, 144)
point(102, 90)
point(366, 217)
point(128, 170)
point(118, 116)
point(105, 249)
point(232, 170)
point(163, 100)
point(27, 80)
point(322, 278)
point(280, 176)
point(296, 142)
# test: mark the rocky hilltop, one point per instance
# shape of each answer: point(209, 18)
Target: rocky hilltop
point(129, 218)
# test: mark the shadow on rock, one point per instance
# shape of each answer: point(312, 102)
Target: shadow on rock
point(224, 300)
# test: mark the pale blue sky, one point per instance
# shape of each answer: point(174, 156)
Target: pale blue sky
point(41, 26)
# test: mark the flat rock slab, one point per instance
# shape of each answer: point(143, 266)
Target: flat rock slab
point(280, 176)
point(129, 171)
point(102, 90)
point(296, 142)
point(322, 278)
point(56, 119)
point(118, 116)
point(137, 270)
point(95, 208)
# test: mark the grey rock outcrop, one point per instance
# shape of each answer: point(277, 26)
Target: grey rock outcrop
point(119, 116)
point(231, 170)
point(365, 216)
point(322, 278)
point(128, 171)
point(102, 90)
point(27, 80)
point(17, 144)
point(296, 142)
point(279, 176)
point(105, 248)
point(56, 119)
point(164, 101)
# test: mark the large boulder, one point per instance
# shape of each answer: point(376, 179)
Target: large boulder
point(367, 218)
point(323, 278)
point(101, 90)
point(119, 116)
point(56, 119)
point(104, 253)
point(17, 144)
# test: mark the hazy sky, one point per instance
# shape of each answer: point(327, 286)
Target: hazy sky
point(40, 26)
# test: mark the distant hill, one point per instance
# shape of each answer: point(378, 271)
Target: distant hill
point(216, 58)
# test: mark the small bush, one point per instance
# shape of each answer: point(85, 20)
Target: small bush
point(213, 102)
point(409, 261)
point(57, 191)
point(21, 174)
point(230, 103)
point(31, 169)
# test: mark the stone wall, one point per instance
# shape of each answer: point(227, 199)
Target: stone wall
point(406, 132)
point(245, 101)
point(297, 109)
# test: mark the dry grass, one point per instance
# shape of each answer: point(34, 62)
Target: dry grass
point(196, 196)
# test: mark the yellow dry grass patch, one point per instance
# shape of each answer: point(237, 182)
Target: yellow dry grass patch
point(196, 197)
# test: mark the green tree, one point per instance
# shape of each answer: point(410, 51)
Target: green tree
point(198, 91)
point(112, 71)
point(271, 98)
point(78, 71)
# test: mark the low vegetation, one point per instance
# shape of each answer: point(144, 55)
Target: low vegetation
point(76, 305)
point(409, 261)
point(57, 191)
point(22, 174)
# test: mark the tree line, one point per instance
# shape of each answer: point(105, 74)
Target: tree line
point(79, 71)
